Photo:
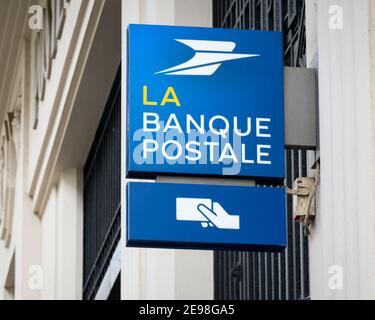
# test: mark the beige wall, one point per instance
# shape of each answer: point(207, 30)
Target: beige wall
point(342, 245)
point(43, 259)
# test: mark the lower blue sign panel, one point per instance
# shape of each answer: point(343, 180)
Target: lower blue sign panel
point(165, 215)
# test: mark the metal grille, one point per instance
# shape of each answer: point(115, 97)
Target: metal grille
point(287, 16)
point(268, 276)
point(102, 199)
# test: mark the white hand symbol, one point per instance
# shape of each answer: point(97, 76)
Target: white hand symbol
point(219, 217)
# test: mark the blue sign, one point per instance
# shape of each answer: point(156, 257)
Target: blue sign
point(205, 101)
point(205, 216)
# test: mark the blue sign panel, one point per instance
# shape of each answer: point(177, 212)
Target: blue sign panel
point(205, 101)
point(205, 216)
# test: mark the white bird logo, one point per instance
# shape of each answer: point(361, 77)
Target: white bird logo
point(207, 59)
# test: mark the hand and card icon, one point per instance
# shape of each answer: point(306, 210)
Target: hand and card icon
point(207, 212)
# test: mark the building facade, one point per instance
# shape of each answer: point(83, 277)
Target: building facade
point(62, 155)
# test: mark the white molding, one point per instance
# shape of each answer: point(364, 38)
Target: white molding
point(16, 21)
point(54, 90)
point(79, 50)
point(12, 157)
point(344, 228)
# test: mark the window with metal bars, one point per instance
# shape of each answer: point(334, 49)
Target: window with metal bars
point(102, 195)
point(287, 16)
point(268, 276)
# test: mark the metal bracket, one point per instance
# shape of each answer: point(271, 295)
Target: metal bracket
point(305, 189)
